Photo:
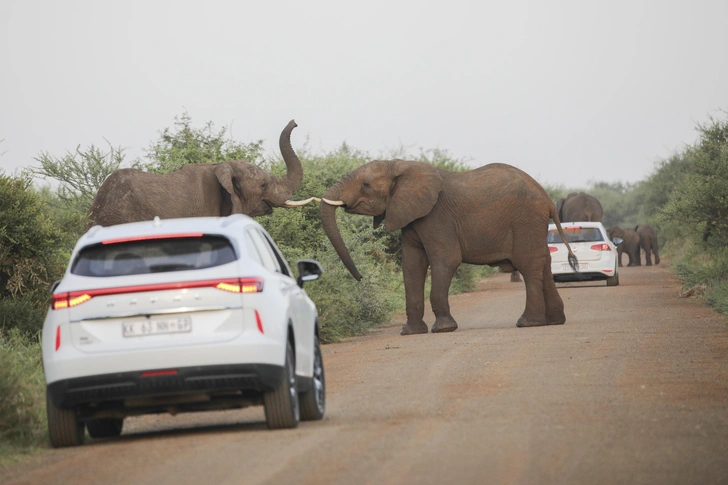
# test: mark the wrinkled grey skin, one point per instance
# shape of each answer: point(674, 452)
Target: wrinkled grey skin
point(648, 243)
point(630, 245)
point(495, 215)
point(233, 187)
point(579, 207)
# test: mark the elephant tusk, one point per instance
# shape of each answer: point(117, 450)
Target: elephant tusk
point(333, 202)
point(299, 203)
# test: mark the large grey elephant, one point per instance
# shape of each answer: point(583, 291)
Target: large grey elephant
point(648, 243)
point(495, 215)
point(630, 245)
point(233, 187)
point(579, 207)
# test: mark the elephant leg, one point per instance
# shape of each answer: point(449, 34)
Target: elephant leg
point(535, 313)
point(414, 269)
point(620, 251)
point(554, 304)
point(442, 274)
point(648, 257)
point(657, 258)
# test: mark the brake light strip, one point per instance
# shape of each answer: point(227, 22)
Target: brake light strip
point(234, 285)
point(152, 236)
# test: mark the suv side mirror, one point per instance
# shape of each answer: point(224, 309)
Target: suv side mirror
point(617, 241)
point(308, 270)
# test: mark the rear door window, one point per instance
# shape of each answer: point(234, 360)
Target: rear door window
point(266, 255)
point(153, 256)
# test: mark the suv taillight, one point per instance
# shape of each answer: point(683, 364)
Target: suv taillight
point(234, 285)
point(601, 247)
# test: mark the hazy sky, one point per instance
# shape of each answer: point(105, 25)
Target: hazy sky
point(571, 91)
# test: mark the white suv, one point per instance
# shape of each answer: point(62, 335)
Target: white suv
point(597, 255)
point(179, 315)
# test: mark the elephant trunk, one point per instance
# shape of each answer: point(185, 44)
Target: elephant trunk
point(294, 174)
point(328, 221)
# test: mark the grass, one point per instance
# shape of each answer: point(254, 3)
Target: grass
point(699, 267)
point(22, 397)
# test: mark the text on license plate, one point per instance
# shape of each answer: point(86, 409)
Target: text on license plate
point(566, 267)
point(139, 328)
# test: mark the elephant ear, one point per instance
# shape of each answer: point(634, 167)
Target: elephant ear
point(417, 185)
point(226, 177)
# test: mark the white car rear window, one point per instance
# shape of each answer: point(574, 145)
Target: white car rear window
point(575, 234)
point(153, 256)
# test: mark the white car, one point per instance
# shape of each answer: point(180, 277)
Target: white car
point(179, 315)
point(597, 255)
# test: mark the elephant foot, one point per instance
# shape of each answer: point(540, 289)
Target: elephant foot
point(413, 328)
point(444, 325)
point(516, 277)
point(524, 322)
point(556, 320)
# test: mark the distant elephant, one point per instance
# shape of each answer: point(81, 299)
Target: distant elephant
point(495, 215)
point(579, 207)
point(630, 244)
point(648, 243)
point(233, 187)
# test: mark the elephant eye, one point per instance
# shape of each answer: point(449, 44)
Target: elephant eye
point(365, 185)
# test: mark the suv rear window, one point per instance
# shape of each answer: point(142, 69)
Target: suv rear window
point(575, 234)
point(153, 256)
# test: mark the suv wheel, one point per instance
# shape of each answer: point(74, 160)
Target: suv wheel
point(613, 280)
point(64, 427)
point(313, 402)
point(281, 405)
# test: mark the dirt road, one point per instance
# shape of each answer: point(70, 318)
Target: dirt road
point(633, 389)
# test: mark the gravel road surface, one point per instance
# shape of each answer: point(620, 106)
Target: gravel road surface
point(633, 389)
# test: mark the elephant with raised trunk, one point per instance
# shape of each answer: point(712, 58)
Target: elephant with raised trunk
point(233, 187)
point(630, 245)
point(579, 207)
point(495, 215)
point(648, 243)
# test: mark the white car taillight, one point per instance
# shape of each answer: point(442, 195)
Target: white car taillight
point(234, 285)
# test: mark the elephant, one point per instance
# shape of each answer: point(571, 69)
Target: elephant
point(232, 187)
point(630, 244)
point(495, 215)
point(579, 207)
point(648, 243)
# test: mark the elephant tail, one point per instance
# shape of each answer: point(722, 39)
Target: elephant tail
point(573, 261)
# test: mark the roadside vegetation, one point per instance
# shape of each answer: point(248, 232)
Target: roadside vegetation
point(685, 198)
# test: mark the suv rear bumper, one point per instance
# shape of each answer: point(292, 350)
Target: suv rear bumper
point(164, 382)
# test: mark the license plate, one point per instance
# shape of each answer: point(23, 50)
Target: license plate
point(140, 328)
point(566, 267)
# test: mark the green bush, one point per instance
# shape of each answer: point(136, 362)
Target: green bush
point(33, 253)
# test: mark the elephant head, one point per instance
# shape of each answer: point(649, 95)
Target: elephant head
point(394, 191)
point(615, 231)
point(233, 187)
point(255, 192)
